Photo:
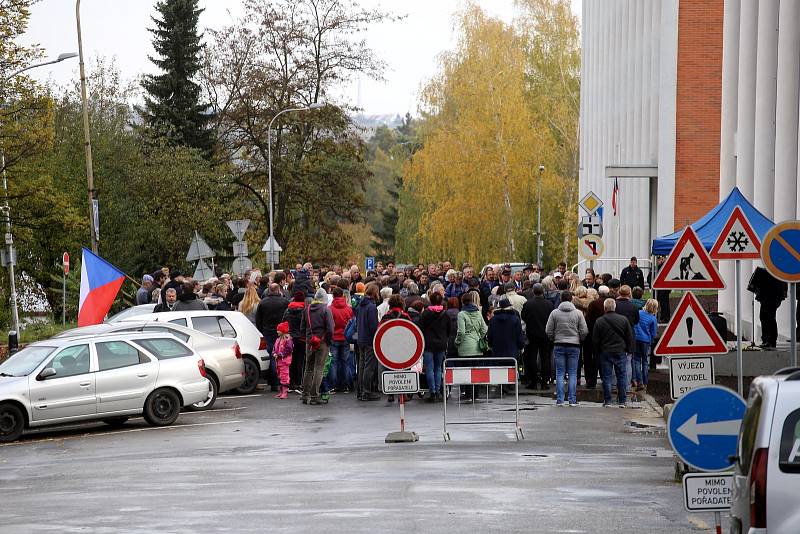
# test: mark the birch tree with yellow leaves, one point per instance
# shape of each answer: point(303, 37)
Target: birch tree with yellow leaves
point(470, 192)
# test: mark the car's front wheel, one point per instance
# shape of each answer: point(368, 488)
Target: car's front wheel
point(12, 422)
point(162, 407)
point(252, 372)
point(213, 391)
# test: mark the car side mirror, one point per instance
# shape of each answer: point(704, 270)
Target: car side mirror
point(46, 373)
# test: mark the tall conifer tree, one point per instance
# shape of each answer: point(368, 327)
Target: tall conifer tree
point(172, 101)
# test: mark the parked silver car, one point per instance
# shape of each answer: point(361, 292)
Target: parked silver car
point(108, 378)
point(766, 475)
point(222, 356)
point(131, 313)
point(229, 324)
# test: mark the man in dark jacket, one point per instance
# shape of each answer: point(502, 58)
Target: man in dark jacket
point(316, 324)
point(435, 326)
point(632, 275)
point(367, 325)
point(535, 313)
point(294, 316)
point(187, 299)
point(169, 302)
point(505, 334)
point(175, 282)
point(613, 340)
point(302, 280)
point(626, 307)
point(269, 314)
point(770, 292)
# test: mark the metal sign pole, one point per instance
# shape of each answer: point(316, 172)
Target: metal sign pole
point(64, 299)
point(402, 413)
point(717, 518)
point(739, 362)
point(793, 323)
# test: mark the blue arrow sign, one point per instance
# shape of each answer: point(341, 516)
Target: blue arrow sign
point(704, 427)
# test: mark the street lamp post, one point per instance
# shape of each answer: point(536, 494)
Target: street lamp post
point(539, 220)
point(271, 239)
point(87, 141)
point(6, 209)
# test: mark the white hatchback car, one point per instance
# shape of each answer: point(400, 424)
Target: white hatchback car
point(766, 476)
point(229, 324)
point(109, 378)
point(222, 356)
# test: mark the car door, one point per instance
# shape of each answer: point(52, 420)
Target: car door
point(70, 392)
point(740, 501)
point(783, 476)
point(125, 376)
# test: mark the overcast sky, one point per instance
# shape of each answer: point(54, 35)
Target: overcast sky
point(118, 30)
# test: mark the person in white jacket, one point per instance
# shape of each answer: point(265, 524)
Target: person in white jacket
point(383, 307)
point(566, 328)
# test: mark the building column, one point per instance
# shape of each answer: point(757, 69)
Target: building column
point(786, 114)
point(727, 164)
point(786, 126)
point(745, 129)
point(766, 73)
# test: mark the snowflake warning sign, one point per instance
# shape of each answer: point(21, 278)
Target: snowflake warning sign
point(738, 240)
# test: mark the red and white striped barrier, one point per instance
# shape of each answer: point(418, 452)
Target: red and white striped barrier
point(482, 372)
point(480, 375)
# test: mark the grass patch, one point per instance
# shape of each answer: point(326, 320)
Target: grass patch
point(40, 331)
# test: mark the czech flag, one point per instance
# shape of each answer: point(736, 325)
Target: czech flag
point(100, 283)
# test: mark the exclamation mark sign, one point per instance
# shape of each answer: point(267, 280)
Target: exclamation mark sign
point(689, 326)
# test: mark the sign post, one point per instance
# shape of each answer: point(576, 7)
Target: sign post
point(738, 241)
point(703, 428)
point(781, 256)
point(398, 345)
point(65, 262)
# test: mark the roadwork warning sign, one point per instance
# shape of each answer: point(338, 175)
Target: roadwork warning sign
point(707, 493)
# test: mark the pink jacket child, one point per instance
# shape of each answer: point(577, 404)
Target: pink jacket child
point(282, 351)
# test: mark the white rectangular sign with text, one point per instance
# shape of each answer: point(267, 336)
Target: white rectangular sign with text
point(686, 374)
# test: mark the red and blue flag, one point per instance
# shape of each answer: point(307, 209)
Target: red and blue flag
point(100, 283)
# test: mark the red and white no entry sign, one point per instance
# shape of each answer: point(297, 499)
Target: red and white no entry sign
point(398, 344)
point(65, 262)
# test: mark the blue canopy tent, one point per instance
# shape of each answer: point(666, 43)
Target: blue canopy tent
point(710, 225)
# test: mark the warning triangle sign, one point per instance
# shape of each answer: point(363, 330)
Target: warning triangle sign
point(690, 331)
point(738, 240)
point(688, 266)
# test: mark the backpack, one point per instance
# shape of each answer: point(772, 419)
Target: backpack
point(351, 331)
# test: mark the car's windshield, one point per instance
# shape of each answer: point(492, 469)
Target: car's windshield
point(25, 361)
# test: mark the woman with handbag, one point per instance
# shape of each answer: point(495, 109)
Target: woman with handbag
point(471, 332)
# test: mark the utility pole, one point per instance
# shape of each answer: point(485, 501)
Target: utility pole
point(539, 220)
point(87, 141)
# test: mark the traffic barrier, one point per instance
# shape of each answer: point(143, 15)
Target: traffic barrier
point(482, 372)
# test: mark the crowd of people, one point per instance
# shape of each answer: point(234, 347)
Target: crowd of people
point(319, 323)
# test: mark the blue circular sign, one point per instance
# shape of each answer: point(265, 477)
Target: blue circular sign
point(704, 427)
point(780, 251)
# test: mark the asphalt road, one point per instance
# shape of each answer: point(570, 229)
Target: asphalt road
point(257, 464)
